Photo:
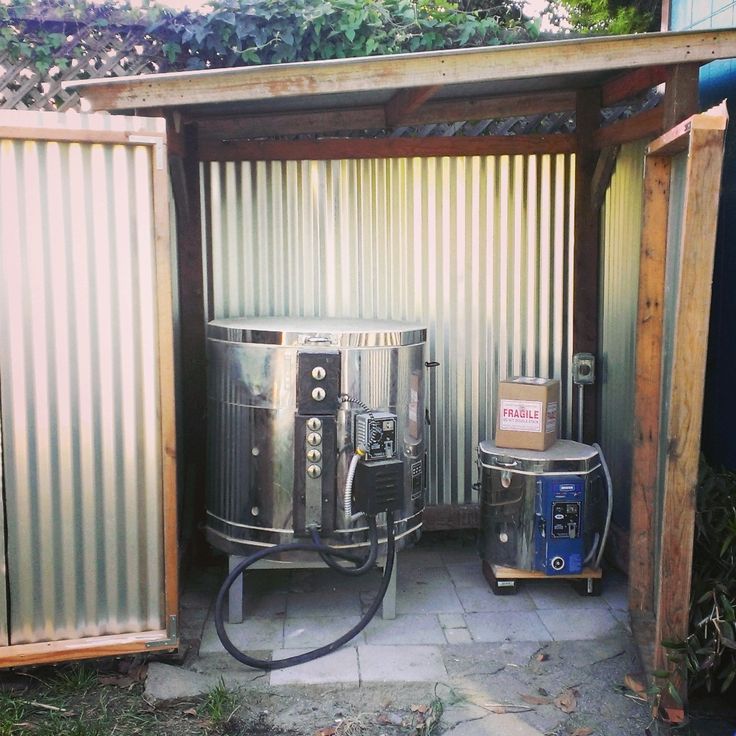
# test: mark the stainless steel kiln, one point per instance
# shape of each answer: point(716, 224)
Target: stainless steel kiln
point(290, 400)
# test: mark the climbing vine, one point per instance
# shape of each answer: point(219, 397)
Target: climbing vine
point(238, 32)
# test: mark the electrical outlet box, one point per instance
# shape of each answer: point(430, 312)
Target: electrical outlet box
point(583, 369)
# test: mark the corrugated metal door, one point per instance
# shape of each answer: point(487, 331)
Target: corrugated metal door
point(86, 374)
point(477, 248)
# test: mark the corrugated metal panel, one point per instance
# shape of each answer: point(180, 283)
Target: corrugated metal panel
point(477, 248)
point(621, 239)
point(80, 394)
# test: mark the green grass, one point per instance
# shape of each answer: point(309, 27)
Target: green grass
point(12, 713)
point(220, 704)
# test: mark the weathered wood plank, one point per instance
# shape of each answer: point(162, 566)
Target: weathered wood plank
point(646, 124)
point(374, 117)
point(632, 84)
point(587, 246)
point(647, 389)
point(166, 381)
point(690, 345)
point(681, 94)
point(522, 61)
point(604, 168)
point(407, 101)
point(678, 138)
point(192, 321)
point(68, 135)
point(90, 647)
point(344, 148)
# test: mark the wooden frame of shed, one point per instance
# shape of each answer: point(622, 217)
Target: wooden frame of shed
point(228, 115)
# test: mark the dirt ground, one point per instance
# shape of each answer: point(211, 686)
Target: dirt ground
point(531, 695)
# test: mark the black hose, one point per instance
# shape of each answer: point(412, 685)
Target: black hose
point(362, 565)
point(264, 664)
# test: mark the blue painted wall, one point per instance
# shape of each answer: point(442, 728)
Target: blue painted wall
point(718, 82)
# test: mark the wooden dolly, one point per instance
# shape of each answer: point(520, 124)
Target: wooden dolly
point(503, 579)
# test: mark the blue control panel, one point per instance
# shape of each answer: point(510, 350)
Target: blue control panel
point(558, 542)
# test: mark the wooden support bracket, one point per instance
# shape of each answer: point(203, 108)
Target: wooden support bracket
point(405, 102)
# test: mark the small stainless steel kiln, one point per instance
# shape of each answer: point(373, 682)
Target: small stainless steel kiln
point(290, 401)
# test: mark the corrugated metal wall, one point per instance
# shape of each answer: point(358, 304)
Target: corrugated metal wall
point(621, 221)
point(79, 385)
point(477, 248)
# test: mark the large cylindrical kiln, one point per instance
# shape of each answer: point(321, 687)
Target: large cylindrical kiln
point(289, 401)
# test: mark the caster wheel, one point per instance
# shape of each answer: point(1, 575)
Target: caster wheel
point(590, 588)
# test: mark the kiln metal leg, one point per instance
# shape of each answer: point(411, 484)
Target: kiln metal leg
point(235, 595)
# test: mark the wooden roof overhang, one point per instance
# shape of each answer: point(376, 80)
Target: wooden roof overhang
point(234, 107)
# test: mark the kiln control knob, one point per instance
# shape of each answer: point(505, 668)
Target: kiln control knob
point(318, 394)
point(314, 456)
point(314, 471)
point(314, 424)
point(318, 373)
point(314, 439)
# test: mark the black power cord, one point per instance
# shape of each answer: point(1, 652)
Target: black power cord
point(265, 664)
point(361, 565)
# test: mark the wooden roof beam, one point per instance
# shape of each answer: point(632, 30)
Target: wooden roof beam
point(359, 148)
point(374, 117)
point(393, 72)
point(407, 101)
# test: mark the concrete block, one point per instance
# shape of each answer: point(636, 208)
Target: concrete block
point(339, 667)
point(316, 632)
point(252, 634)
point(587, 623)
point(405, 629)
point(482, 599)
point(458, 636)
point(452, 620)
point(500, 626)
point(401, 663)
point(166, 682)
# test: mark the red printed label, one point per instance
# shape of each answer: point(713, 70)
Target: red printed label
point(520, 416)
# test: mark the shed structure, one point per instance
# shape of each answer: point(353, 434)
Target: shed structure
point(288, 179)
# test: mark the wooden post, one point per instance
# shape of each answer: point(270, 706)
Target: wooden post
point(647, 399)
point(685, 394)
point(682, 95)
point(587, 246)
point(192, 354)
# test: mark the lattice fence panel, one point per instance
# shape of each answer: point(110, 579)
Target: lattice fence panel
point(92, 52)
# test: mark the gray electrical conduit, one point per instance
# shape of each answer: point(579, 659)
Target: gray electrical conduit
point(609, 510)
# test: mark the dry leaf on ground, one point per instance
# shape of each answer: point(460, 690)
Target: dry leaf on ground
point(326, 731)
point(582, 731)
point(635, 684)
point(567, 701)
point(536, 700)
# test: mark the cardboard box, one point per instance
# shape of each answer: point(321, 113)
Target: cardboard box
point(527, 413)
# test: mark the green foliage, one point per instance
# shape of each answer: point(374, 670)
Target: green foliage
point(612, 17)
point(238, 32)
point(710, 650)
